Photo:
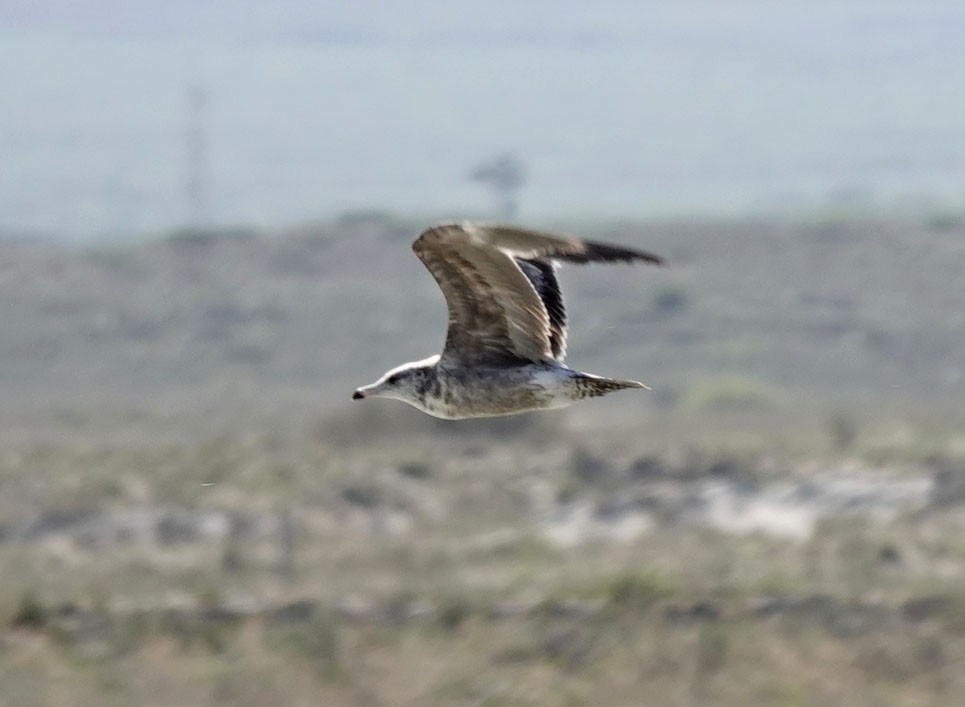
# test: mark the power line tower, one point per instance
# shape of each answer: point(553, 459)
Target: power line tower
point(196, 157)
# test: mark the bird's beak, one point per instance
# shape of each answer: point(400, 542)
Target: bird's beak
point(372, 390)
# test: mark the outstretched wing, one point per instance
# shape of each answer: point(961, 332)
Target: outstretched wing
point(501, 291)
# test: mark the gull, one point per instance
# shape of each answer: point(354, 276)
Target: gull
point(506, 341)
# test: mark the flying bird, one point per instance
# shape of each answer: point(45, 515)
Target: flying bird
point(506, 341)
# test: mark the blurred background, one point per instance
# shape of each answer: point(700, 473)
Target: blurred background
point(117, 113)
point(205, 221)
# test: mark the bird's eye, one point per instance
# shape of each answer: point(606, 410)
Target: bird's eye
point(393, 378)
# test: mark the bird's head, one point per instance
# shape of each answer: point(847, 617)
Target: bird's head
point(408, 383)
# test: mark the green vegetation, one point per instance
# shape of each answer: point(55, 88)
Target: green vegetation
point(192, 511)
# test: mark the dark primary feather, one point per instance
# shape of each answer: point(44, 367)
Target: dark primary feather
point(605, 253)
point(543, 276)
point(527, 243)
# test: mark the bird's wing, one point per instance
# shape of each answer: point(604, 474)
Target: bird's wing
point(498, 312)
point(542, 276)
point(495, 315)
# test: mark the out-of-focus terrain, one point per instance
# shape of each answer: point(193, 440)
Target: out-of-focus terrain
point(193, 511)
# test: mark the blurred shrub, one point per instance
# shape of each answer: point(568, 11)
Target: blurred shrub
point(364, 495)
point(670, 300)
point(416, 470)
point(30, 613)
point(842, 429)
point(205, 237)
point(453, 611)
point(943, 222)
point(589, 468)
point(637, 591)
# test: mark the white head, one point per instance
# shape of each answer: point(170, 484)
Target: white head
point(409, 383)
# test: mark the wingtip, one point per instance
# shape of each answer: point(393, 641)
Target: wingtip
point(608, 252)
point(650, 259)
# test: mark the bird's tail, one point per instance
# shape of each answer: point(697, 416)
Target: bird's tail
point(594, 386)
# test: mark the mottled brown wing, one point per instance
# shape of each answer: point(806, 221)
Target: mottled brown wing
point(498, 312)
point(495, 314)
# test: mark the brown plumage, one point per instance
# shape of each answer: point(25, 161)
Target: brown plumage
point(501, 290)
point(506, 340)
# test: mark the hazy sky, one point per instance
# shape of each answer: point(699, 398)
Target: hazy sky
point(617, 108)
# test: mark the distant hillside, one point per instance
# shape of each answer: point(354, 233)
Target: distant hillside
point(821, 309)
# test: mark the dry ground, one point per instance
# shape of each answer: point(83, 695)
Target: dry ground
point(193, 512)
